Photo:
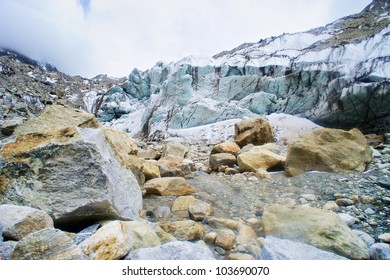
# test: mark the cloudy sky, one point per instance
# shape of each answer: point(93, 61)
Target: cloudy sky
point(91, 37)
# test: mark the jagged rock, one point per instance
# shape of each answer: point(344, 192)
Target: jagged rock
point(173, 166)
point(256, 131)
point(179, 250)
point(19, 221)
point(226, 238)
point(85, 233)
point(183, 230)
point(259, 158)
point(6, 249)
point(174, 149)
point(1, 232)
point(284, 249)
point(226, 147)
point(110, 242)
point(331, 150)
point(320, 228)
point(72, 173)
point(262, 174)
point(150, 170)
point(380, 251)
point(47, 244)
point(168, 186)
point(200, 210)
point(223, 159)
point(364, 236)
point(182, 203)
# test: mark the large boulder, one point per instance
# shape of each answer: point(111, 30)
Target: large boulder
point(257, 131)
point(19, 221)
point(317, 227)
point(47, 244)
point(226, 159)
point(71, 173)
point(178, 250)
point(259, 158)
point(168, 186)
point(284, 249)
point(331, 150)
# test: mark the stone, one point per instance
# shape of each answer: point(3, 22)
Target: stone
point(168, 186)
point(375, 140)
point(259, 158)
point(164, 236)
point(348, 219)
point(162, 212)
point(246, 235)
point(262, 174)
point(19, 221)
point(226, 238)
point(257, 131)
point(320, 228)
point(344, 202)
point(220, 250)
point(200, 210)
point(380, 251)
point(284, 249)
point(7, 127)
point(72, 174)
point(110, 242)
point(330, 150)
point(369, 211)
point(226, 147)
point(6, 249)
point(173, 166)
point(47, 244)
point(241, 257)
point(183, 230)
point(150, 170)
point(85, 233)
point(210, 237)
point(366, 199)
point(141, 235)
point(384, 184)
point(178, 250)
point(57, 117)
point(384, 237)
point(174, 149)
point(224, 159)
point(330, 205)
point(148, 154)
point(364, 236)
point(182, 203)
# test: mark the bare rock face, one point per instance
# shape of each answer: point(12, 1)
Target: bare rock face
point(47, 244)
point(331, 150)
point(320, 228)
point(257, 131)
point(19, 221)
point(71, 173)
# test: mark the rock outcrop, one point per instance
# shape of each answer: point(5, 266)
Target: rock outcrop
point(331, 150)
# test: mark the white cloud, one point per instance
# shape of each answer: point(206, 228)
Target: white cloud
point(115, 36)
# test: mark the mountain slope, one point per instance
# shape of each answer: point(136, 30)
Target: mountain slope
point(336, 76)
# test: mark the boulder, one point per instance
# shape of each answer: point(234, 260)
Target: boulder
point(72, 174)
point(174, 149)
point(284, 249)
point(380, 251)
point(200, 210)
point(227, 147)
point(110, 242)
point(330, 150)
point(259, 158)
point(179, 250)
point(47, 244)
point(181, 205)
point(6, 249)
point(364, 236)
point(142, 235)
point(174, 166)
point(217, 160)
point(150, 170)
point(226, 238)
point(317, 227)
point(168, 186)
point(19, 221)
point(257, 131)
point(164, 236)
point(183, 230)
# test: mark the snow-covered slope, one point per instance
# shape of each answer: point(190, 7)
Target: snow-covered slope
point(337, 76)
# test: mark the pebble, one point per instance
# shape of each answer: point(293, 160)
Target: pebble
point(344, 202)
point(309, 197)
point(348, 219)
point(354, 197)
point(384, 184)
point(220, 251)
point(369, 211)
point(366, 199)
point(386, 200)
point(330, 205)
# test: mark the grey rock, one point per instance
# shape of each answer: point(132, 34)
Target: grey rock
point(19, 221)
point(85, 233)
point(369, 211)
point(1, 232)
point(348, 219)
point(380, 251)
point(364, 236)
point(162, 212)
point(384, 184)
point(47, 244)
point(8, 126)
point(284, 249)
point(178, 250)
point(6, 249)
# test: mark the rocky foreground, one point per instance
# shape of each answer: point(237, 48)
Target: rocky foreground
point(71, 188)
